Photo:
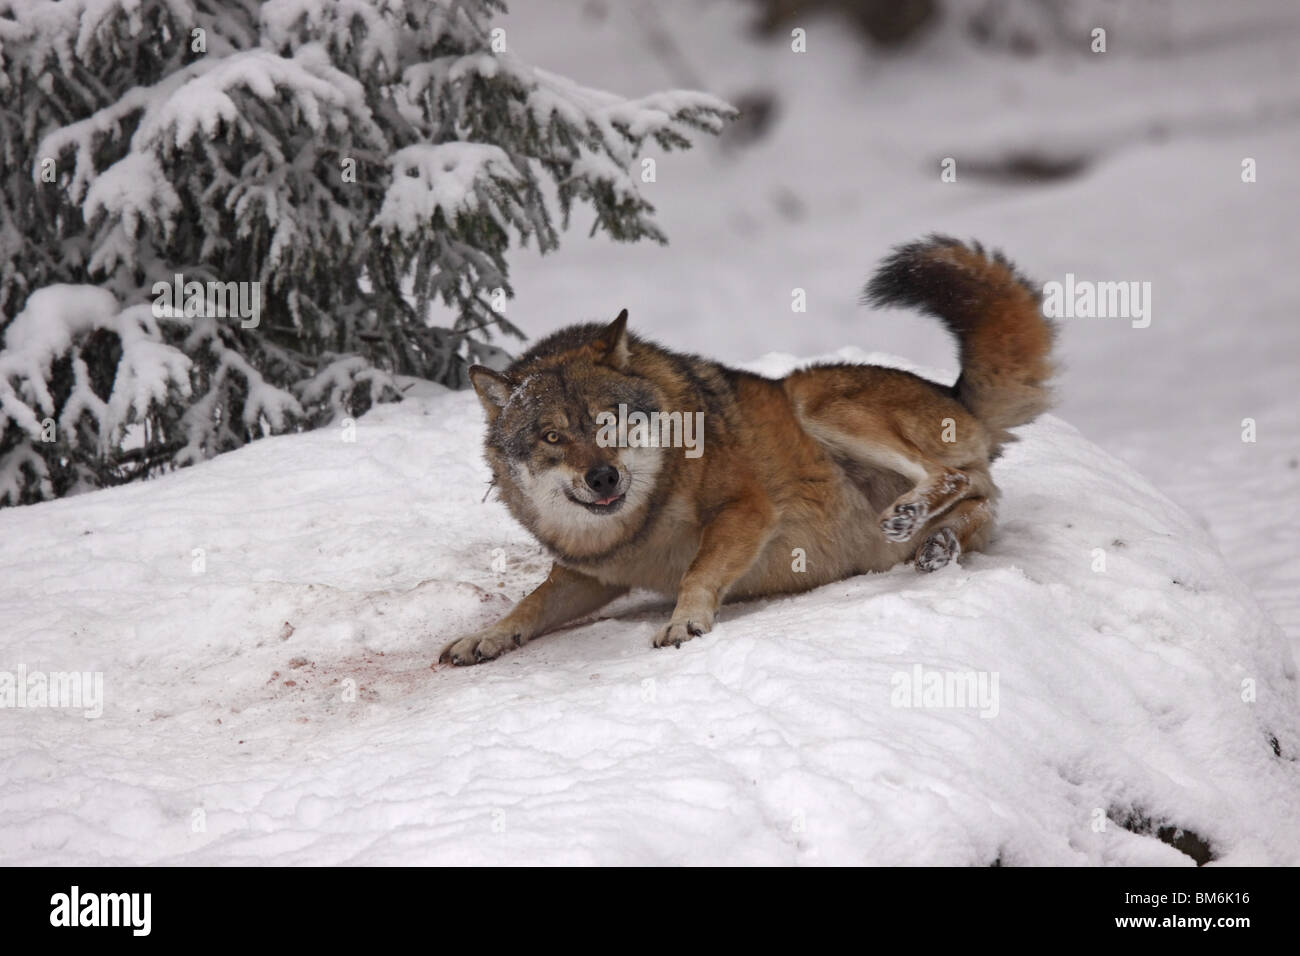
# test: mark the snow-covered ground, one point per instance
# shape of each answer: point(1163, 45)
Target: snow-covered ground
point(274, 702)
point(264, 623)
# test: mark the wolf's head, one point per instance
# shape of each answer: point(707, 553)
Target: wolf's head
point(549, 443)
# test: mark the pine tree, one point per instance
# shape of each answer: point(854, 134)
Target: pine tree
point(365, 163)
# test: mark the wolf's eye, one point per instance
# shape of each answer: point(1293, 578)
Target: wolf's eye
point(552, 437)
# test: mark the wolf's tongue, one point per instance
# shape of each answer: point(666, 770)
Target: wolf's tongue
point(605, 501)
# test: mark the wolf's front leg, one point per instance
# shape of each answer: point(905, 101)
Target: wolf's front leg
point(564, 596)
point(731, 543)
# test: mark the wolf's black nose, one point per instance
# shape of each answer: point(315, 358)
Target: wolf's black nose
point(603, 479)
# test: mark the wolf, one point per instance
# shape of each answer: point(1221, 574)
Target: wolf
point(832, 471)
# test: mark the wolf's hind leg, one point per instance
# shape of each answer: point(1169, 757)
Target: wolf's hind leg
point(889, 420)
point(939, 480)
point(940, 489)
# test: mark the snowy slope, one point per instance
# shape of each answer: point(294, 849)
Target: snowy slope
point(278, 705)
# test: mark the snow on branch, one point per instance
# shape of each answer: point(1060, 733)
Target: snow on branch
point(449, 178)
point(366, 164)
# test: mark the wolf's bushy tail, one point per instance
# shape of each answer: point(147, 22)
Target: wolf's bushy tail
point(1005, 342)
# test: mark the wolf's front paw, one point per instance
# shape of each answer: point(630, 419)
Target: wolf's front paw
point(901, 521)
point(676, 632)
point(940, 549)
point(489, 643)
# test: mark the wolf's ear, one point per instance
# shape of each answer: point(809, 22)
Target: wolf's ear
point(493, 389)
point(611, 344)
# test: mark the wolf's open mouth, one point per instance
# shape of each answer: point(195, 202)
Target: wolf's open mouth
point(602, 506)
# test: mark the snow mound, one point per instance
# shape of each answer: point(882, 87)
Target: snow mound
point(264, 625)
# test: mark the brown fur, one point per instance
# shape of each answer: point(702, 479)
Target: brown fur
point(857, 468)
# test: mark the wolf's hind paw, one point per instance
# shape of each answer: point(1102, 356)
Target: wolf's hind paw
point(939, 550)
point(901, 521)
